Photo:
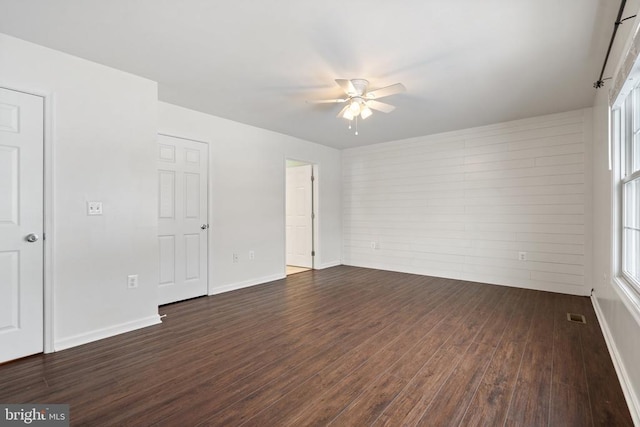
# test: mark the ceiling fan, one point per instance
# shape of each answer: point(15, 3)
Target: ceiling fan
point(360, 101)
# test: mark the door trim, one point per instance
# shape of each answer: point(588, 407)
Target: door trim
point(48, 203)
point(210, 289)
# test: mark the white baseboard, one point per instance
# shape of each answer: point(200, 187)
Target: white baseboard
point(632, 399)
point(479, 278)
point(328, 265)
point(247, 283)
point(99, 334)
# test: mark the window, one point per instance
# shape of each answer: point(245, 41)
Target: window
point(627, 140)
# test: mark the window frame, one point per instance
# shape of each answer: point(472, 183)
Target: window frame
point(627, 175)
point(625, 134)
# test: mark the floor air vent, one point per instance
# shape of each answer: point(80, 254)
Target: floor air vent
point(579, 318)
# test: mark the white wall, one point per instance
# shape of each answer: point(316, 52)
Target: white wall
point(464, 204)
point(247, 190)
point(620, 328)
point(102, 139)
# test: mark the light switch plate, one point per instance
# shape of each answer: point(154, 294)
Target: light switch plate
point(94, 208)
point(132, 281)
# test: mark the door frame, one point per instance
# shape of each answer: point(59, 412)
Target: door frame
point(315, 242)
point(209, 204)
point(48, 203)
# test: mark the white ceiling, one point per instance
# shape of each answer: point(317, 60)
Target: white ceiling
point(465, 63)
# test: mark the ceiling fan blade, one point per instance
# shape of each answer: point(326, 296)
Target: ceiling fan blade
point(380, 106)
point(347, 86)
point(386, 91)
point(327, 101)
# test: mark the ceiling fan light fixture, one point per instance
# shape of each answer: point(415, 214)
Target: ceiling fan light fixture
point(354, 107)
point(348, 114)
point(365, 112)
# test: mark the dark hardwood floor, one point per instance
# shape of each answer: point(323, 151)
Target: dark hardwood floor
point(343, 346)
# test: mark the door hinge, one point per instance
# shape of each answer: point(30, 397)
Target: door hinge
point(313, 253)
point(313, 178)
point(313, 215)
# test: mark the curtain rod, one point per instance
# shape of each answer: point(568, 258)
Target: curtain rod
point(600, 82)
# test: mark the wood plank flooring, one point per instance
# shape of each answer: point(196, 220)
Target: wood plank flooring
point(344, 346)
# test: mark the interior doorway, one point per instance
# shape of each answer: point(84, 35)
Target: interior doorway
point(300, 216)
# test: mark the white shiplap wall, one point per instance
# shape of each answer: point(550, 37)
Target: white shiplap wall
point(464, 204)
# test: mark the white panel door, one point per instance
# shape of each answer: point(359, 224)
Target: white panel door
point(21, 224)
point(183, 169)
point(298, 212)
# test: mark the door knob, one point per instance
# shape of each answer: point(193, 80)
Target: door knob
point(31, 238)
point(204, 226)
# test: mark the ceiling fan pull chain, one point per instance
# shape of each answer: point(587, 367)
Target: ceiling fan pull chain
point(356, 125)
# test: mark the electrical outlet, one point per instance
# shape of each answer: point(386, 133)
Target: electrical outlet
point(252, 255)
point(236, 258)
point(132, 281)
point(374, 245)
point(94, 208)
point(522, 256)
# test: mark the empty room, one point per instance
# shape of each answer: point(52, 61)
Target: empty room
point(299, 213)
